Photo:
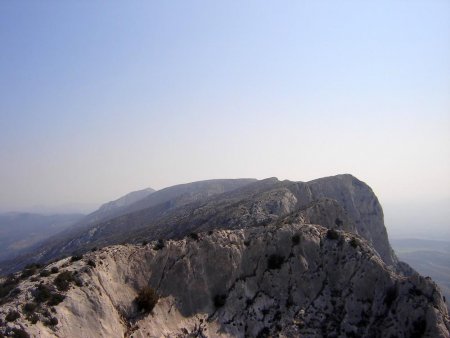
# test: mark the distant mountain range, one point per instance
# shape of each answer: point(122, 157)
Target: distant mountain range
point(21, 231)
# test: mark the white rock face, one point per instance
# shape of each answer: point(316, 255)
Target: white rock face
point(287, 280)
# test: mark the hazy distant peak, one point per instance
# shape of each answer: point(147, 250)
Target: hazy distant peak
point(127, 199)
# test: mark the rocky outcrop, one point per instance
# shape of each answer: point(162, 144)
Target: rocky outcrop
point(287, 279)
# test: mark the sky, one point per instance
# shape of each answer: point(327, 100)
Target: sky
point(100, 98)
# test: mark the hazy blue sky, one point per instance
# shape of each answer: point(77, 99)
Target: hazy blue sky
point(101, 98)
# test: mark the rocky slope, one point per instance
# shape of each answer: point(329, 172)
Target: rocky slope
point(229, 204)
point(112, 222)
point(284, 279)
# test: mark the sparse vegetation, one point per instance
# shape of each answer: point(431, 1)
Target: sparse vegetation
point(44, 273)
point(193, 235)
point(146, 299)
point(29, 307)
point(63, 280)
point(55, 299)
point(8, 285)
point(419, 328)
point(54, 269)
point(391, 296)
point(12, 316)
point(33, 318)
point(42, 293)
point(220, 300)
point(19, 333)
point(76, 258)
point(144, 243)
point(52, 321)
point(275, 261)
point(338, 222)
point(332, 234)
point(354, 242)
point(30, 270)
point(159, 245)
point(91, 263)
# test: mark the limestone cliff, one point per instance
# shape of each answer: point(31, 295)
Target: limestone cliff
point(287, 279)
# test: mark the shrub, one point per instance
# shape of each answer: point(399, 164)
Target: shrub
point(146, 299)
point(9, 284)
point(42, 293)
point(55, 299)
point(33, 318)
point(264, 333)
point(220, 300)
point(94, 249)
point(247, 242)
point(54, 269)
point(20, 333)
point(193, 235)
point(52, 321)
point(29, 307)
point(63, 280)
point(275, 261)
point(338, 222)
point(391, 295)
point(144, 243)
point(295, 239)
point(14, 292)
point(91, 263)
point(76, 258)
point(332, 234)
point(12, 316)
point(29, 270)
point(159, 245)
point(419, 328)
point(354, 242)
point(44, 273)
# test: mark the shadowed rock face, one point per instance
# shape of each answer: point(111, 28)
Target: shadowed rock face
point(288, 279)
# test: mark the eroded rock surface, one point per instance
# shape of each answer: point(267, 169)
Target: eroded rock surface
point(287, 279)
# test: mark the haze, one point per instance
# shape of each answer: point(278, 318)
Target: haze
point(99, 99)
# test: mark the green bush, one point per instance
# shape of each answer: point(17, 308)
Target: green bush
point(8, 285)
point(391, 296)
point(29, 270)
point(354, 242)
point(76, 258)
point(20, 333)
point(275, 261)
point(338, 222)
point(63, 280)
point(52, 321)
point(332, 234)
point(159, 245)
point(29, 307)
point(12, 316)
point(220, 300)
point(194, 236)
point(55, 299)
point(44, 273)
point(33, 318)
point(42, 293)
point(146, 299)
